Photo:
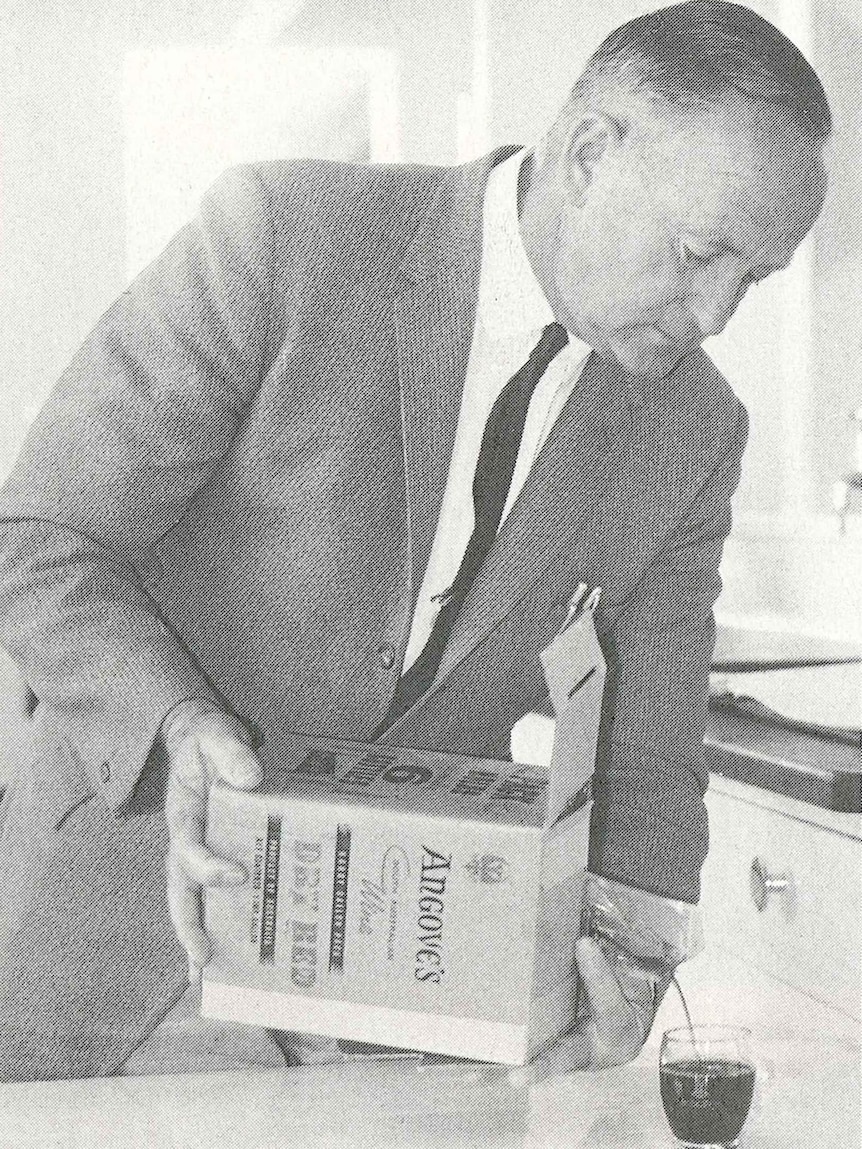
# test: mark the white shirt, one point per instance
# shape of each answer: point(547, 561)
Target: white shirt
point(511, 313)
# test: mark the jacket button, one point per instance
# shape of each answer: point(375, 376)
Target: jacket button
point(386, 654)
point(105, 773)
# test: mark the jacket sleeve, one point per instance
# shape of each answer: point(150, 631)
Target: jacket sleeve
point(649, 826)
point(134, 428)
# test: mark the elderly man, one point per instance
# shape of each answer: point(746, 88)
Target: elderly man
point(337, 460)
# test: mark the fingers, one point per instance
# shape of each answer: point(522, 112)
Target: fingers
point(213, 748)
point(613, 1034)
point(192, 771)
point(204, 868)
point(573, 1051)
point(604, 996)
point(224, 749)
point(190, 868)
point(184, 906)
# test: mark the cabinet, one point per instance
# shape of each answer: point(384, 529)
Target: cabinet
point(795, 964)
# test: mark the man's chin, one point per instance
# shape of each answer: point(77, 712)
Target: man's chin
point(647, 361)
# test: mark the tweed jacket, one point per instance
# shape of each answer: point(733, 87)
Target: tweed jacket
point(234, 488)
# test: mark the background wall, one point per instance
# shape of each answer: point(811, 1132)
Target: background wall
point(63, 225)
point(471, 74)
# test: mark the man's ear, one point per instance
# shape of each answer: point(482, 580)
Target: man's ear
point(590, 140)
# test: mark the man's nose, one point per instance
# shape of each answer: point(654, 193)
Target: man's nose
point(715, 296)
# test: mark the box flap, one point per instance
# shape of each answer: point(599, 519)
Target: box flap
point(575, 671)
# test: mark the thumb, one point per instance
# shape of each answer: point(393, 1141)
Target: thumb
point(226, 745)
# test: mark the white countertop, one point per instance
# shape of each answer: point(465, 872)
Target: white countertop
point(808, 1096)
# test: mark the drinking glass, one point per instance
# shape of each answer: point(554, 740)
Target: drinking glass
point(706, 1076)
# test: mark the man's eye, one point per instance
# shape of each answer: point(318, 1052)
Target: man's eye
point(689, 253)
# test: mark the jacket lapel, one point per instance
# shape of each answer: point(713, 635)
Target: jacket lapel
point(433, 326)
point(435, 312)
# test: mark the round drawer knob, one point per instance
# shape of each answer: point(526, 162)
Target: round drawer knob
point(763, 884)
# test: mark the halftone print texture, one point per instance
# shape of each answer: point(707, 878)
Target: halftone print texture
point(231, 496)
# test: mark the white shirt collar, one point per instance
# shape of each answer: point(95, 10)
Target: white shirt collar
point(511, 302)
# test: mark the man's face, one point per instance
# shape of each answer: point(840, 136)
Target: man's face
point(656, 249)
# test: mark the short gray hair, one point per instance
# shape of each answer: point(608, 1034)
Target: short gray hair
point(701, 52)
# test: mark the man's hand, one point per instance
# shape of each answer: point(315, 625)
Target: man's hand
point(621, 1009)
point(204, 745)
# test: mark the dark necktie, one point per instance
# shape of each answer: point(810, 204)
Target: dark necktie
point(494, 469)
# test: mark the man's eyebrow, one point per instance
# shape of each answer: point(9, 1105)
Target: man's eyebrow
point(713, 237)
point(760, 270)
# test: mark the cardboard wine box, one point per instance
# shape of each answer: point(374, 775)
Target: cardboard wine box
point(412, 898)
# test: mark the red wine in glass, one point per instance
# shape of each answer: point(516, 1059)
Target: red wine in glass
point(706, 1077)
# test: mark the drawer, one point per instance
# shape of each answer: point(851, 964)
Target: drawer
point(807, 935)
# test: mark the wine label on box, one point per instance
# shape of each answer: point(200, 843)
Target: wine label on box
point(400, 927)
point(416, 931)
